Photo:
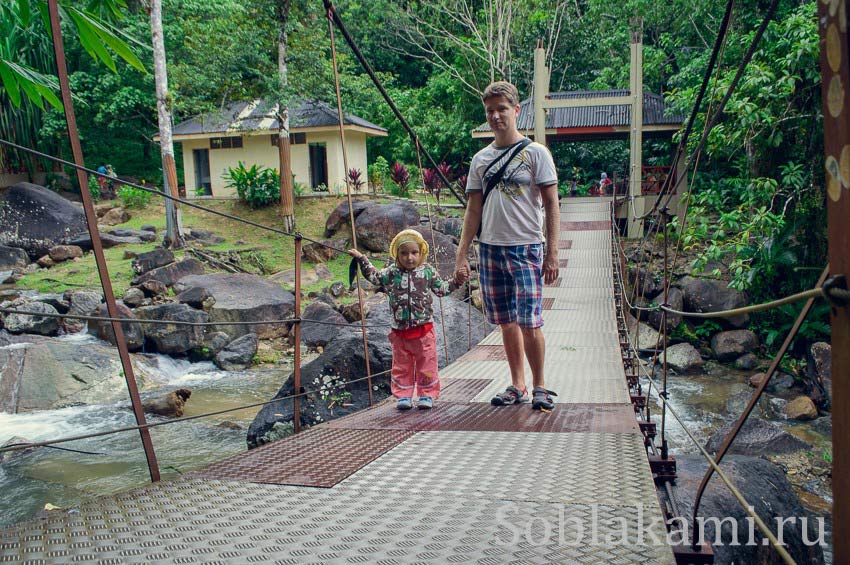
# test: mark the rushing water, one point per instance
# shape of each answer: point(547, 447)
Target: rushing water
point(49, 476)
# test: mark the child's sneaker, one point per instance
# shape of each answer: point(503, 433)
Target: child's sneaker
point(404, 403)
point(541, 399)
point(425, 403)
point(512, 395)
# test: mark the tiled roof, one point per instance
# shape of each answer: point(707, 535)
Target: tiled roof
point(260, 115)
point(655, 112)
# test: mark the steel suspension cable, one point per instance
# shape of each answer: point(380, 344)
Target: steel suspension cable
point(350, 203)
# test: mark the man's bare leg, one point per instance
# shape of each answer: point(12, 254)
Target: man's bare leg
point(512, 340)
point(535, 350)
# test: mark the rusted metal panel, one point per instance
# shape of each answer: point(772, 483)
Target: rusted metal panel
point(565, 244)
point(318, 458)
point(586, 226)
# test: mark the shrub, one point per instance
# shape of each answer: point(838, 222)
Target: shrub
point(94, 188)
point(355, 179)
point(257, 186)
point(378, 172)
point(401, 178)
point(133, 197)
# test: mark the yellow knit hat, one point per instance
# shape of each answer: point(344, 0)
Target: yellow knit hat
point(409, 236)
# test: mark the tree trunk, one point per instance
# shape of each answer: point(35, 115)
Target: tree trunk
point(284, 153)
point(173, 236)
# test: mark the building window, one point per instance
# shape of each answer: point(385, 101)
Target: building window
point(299, 138)
point(225, 142)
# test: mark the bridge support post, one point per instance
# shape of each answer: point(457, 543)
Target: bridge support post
point(635, 226)
point(835, 74)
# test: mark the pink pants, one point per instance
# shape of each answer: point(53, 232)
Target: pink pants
point(414, 366)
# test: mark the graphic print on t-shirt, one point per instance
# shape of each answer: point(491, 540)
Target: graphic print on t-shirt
point(514, 183)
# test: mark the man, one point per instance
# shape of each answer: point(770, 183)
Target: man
point(513, 262)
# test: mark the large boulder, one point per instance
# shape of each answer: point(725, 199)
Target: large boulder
point(59, 253)
point(819, 373)
point(13, 258)
point(647, 337)
point(324, 328)
point(35, 218)
point(153, 259)
point(377, 225)
point(763, 485)
point(341, 216)
point(684, 359)
point(675, 300)
point(83, 303)
point(709, 295)
point(171, 273)
point(169, 404)
point(757, 437)
point(33, 323)
point(325, 250)
point(451, 226)
point(173, 338)
point(647, 283)
point(134, 336)
point(46, 373)
point(442, 251)
point(107, 240)
point(244, 298)
point(728, 346)
point(238, 354)
point(144, 235)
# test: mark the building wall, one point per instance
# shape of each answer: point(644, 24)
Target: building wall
point(258, 150)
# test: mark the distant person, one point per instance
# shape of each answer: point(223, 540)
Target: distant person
point(604, 183)
point(573, 188)
point(101, 181)
point(111, 182)
point(513, 198)
point(409, 283)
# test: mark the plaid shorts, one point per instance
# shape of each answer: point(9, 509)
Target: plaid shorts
point(512, 283)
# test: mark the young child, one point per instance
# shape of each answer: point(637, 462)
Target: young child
point(409, 283)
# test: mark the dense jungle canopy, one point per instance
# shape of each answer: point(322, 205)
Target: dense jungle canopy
point(758, 200)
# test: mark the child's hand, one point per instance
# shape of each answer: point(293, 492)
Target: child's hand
point(354, 253)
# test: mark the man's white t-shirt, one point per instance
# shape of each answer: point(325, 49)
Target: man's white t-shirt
point(513, 209)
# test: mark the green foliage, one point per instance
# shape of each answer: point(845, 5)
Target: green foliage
point(133, 197)
point(255, 185)
point(94, 188)
point(379, 171)
point(400, 176)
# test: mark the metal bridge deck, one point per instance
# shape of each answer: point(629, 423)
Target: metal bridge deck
point(464, 482)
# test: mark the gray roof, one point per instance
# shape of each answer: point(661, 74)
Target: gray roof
point(655, 112)
point(260, 115)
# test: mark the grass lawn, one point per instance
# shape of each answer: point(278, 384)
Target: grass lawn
point(260, 248)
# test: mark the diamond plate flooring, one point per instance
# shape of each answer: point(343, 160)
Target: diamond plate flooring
point(462, 482)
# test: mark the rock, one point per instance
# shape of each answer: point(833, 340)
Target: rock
point(12, 258)
point(708, 295)
point(647, 337)
point(170, 404)
point(47, 373)
point(115, 216)
point(340, 216)
point(206, 237)
point(801, 408)
point(107, 240)
point(308, 276)
point(451, 226)
point(61, 253)
point(153, 288)
point(7, 456)
point(779, 381)
point(684, 359)
point(148, 227)
point(442, 251)
point(195, 297)
point(133, 297)
point(337, 289)
point(675, 299)
point(33, 324)
point(823, 425)
point(765, 486)
point(228, 425)
point(129, 254)
point(45, 262)
point(35, 219)
point(757, 437)
point(244, 297)
point(133, 334)
point(238, 354)
point(150, 260)
point(343, 360)
point(170, 274)
point(647, 283)
point(324, 251)
point(215, 342)
point(377, 225)
point(173, 338)
point(319, 334)
point(351, 312)
point(819, 373)
point(747, 362)
point(728, 346)
point(7, 277)
point(82, 303)
point(141, 234)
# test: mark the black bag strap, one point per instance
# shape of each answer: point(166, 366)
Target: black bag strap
point(511, 151)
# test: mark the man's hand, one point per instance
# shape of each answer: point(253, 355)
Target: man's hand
point(550, 268)
point(461, 270)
